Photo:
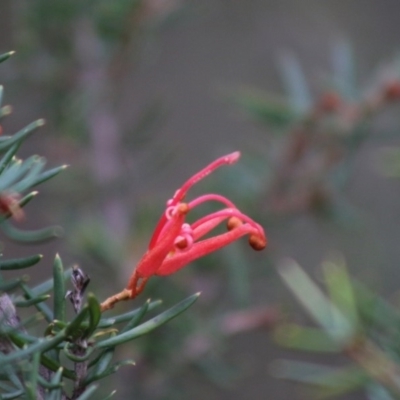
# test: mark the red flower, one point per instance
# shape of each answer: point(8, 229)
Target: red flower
point(175, 243)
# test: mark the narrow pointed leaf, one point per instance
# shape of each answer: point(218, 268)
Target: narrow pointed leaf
point(112, 370)
point(20, 263)
point(340, 288)
point(108, 322)
point(75, 327)
point(110, 395)
point(42, 307)
point(32, 236)
point(263, 109)
point(315, 302)
point(94, 314)
point(32, 384)
point(103, 361)
point(306, 339)
point(344, 70)
point(47, 175)
point(12, 284)
point(332, 380)
point(31, 302)
point(58, 289)
point(88, 393)
point(6, 56)
point(22, 134)
point(4, 162)
point(46, 286)
point(150, 325)
point(14, 395)
point(137, 318)
point(296, 85)
point(42, 345)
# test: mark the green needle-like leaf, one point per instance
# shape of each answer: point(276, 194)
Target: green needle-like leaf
point(6, 56)
point(14, 395)
point(113, 369)
point(32, 384)
point(20, 263)
point(103, 362)
point(110, 395)
point(94, 314)
point(150, 325)
point(22, 134)
point(108, 322)
point(306, 339)
point(47, 175)
point(340, 288)
point(12, 284)
point(264, 109)
point(31, 302)
point(344, 70)
point(296, 84)
point(46, 286)
point(332, 380)
point(58, 289)
point(88, 393)
point(75, 328)
point(42, 307)
point(42, 345)
point(137, 318)
point(315, 302)
point(55, 385)
point(33, 236)
point(5, 161)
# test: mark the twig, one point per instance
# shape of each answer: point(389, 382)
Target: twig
point(80, 281)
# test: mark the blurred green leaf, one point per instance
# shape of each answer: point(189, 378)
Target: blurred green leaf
point(264, 109)
point(13, 395)
point(344, 70)
point(306, 339)
point(315, 302)
point(296, 85)
point(333, 381)
point(341, 288)
point(19, 263)
point(6, 56)
point(87, 393)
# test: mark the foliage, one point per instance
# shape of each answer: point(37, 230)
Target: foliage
point(74, 354)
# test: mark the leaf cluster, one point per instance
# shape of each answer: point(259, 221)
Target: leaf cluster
point(73, 355)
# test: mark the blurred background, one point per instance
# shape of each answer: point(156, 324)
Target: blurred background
point(140, 94)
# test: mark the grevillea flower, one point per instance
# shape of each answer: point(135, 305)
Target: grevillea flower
point(175, 242)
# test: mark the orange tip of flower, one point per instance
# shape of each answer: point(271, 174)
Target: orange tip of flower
point(258, 242)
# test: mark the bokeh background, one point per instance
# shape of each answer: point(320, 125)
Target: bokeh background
point(138, 95)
